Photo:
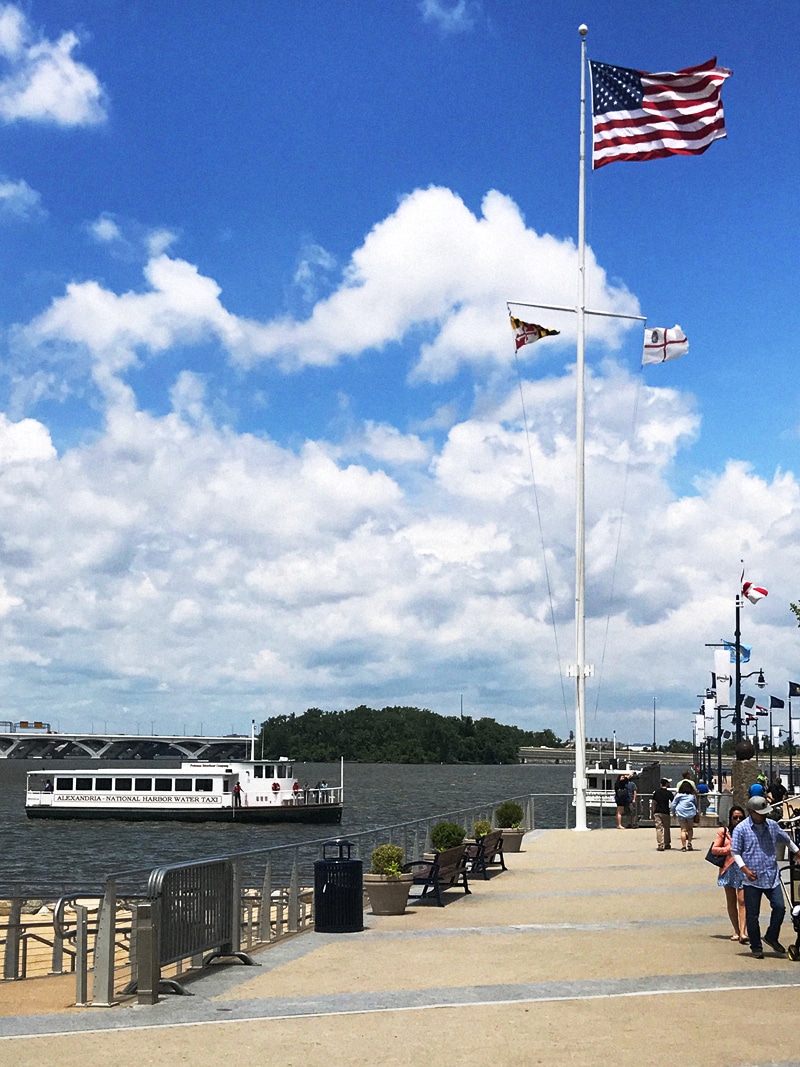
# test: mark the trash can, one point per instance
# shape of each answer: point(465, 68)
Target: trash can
point(338, 890)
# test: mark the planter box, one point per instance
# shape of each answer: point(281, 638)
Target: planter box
point(387, 896)
point(512, 840)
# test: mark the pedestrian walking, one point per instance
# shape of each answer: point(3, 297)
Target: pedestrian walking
point(633, 809)
point(621, 798)
point(753, 847)
point(684, 806)
point(662, 817)
point(731, 878)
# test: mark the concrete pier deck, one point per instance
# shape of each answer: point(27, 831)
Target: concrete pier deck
point(592, 948)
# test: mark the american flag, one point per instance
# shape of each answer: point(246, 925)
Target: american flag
point(645, 116)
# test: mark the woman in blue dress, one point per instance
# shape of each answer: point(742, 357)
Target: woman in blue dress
point(730, 876)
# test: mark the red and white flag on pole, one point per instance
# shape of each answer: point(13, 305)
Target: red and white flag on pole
point(754, 593)
point(661, 345)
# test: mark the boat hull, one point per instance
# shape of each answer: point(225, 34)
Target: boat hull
point(322, 814)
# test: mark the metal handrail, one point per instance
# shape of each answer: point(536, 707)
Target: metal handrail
point(273, 897)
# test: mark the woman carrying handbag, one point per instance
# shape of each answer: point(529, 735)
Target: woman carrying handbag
point(730, 876)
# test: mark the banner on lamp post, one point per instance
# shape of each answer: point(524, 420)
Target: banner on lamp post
point(724, 676)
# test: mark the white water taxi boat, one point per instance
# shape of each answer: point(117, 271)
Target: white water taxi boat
point(252, 791)
point(602, 777)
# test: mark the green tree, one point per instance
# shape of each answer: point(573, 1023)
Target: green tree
point(396, 735)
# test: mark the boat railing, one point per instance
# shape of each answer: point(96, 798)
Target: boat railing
point(331, 794)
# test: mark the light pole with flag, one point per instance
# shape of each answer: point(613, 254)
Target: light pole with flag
point(753, 593)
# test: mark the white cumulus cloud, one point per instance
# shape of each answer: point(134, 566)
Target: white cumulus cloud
point(41, 79)
point(431, 264)
point(400, 562)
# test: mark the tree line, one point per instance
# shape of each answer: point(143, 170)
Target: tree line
point(396, 735)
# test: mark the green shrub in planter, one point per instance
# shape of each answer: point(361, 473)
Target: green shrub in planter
point(446, 835)
point(387, 860)
point(481, 828)
point(509, 815)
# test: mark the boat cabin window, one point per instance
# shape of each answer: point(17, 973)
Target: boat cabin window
point(143, 785)
point(204, 785)
point(84, 784)
point(102, 785)
point(123, 785)
point(258, 771)
point(64, 784)
point(269, 771)
point(163, 785)
point(183, 785)
point(282, 769)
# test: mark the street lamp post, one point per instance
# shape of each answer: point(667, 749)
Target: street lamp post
point(737, 634)
point(791, 748)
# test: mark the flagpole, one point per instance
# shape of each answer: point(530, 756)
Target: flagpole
point(580, 492)
point(738, 673)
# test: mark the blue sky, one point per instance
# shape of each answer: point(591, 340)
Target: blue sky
point(261, 435)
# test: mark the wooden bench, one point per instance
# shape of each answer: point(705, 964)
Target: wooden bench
point(445, 870)
point(485, 853)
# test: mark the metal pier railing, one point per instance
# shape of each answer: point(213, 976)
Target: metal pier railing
point(143, 926)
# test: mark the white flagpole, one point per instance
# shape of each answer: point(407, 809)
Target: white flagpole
point(580, 448)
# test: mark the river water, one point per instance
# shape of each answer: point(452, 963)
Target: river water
point(44, 852)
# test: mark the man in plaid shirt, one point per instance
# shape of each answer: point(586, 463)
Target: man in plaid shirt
point(753, 847)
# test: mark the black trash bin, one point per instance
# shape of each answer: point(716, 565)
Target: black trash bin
point(338, 890)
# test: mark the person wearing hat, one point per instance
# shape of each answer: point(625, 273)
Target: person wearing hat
point(753, 847)
point(661, 814)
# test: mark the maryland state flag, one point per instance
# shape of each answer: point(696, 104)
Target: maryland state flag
point(526, 333)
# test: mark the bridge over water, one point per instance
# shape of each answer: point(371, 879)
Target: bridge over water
point(47, 744)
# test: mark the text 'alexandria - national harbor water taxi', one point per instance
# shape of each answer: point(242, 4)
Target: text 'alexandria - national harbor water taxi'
point(252, 791)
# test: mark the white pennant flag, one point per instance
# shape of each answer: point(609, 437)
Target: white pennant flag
point(661, 345)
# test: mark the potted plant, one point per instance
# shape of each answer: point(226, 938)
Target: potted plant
point(481, 828)
point(446, 835)
point(386, 885)
point(509, 817)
